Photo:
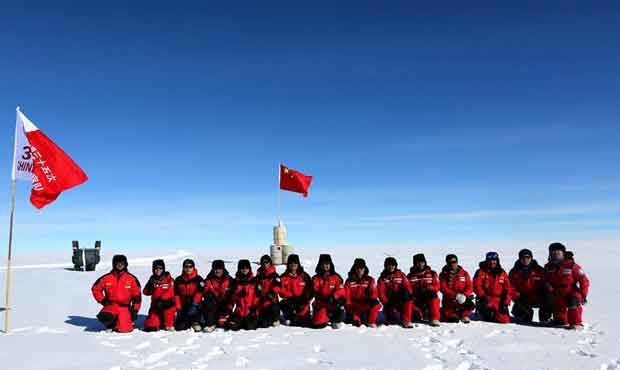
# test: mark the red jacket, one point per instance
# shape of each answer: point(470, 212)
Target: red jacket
point(451, 283)
point(391, 285)
point(566, 278)
point(188, 289)
point(267, 283)
point(360, 290)
point(160, 289)
point(527, 281)
point(492, 283)
point(421, 280)
point(244, 297)
point(121, 288)
point(293, 286)
point(326, 286)
point(221, 289)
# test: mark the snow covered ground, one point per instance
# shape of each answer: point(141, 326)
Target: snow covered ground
point(53, 324)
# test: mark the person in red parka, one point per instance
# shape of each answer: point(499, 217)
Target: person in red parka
point(329, 296)
point(361, 296)
point(118, 292)
point(493, 290)
point(268, 287)
point(425, 286)
point(216, 296)
point(296, 293)
point(568, 286)
point(244, 299)
point(163, 307)
point(188, 294)
point(457, 291)
point(527, 279)
point(395, 294)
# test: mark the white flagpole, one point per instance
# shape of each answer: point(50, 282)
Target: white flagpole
point(8, 262)
point(10, 249)
point(279, 195)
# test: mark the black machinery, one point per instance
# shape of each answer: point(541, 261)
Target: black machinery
point(85, 257)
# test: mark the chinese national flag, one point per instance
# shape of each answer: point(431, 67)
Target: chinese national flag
point(53, 171)
point(294, 181)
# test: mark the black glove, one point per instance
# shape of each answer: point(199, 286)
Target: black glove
point(270, 296)
point(105, 301)
point(341, 301)
point(331, 300)
point(405, 295)
point(150, 285)
point(168, 303)
point(503, 309)
point(368, 291)
point(134, 315)
point(469, 303)
point(482, 302)
point(429, 294)
point(584, 301)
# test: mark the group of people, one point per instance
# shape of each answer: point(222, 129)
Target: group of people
point(249, 301)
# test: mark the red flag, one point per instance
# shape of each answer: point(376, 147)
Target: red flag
point(294, 181)
point(53, 171)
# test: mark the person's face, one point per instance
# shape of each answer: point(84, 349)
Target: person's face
point(391, 268)
point(293, 267)
point(453, 264)
point(244, 270)
point(119, 266)
point(219, 272)
point(492, 264)
point(187, 269)
point(327, 266)
point(265, 264)
point(420, 265)
point(359, 271)
point(525, 260)
point(158, 270)
point(557, 255)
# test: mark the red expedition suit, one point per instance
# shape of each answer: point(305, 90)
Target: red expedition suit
point(245, 301)
point(569, 286)
point(296, 293)
point(163, 306)
point(425, 286)
point(188, 295)
point(329, 297)
point(493, 293)
point(217, 299)
point(451, 283)
point(528, 284)
point(119, 293)
point(395, 295)
point(361, 299)
point(268, 287)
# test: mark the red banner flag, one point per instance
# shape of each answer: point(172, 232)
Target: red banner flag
point(294, 181)
point(53, 171)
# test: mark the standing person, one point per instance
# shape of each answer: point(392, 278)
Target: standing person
point(568, 286)
point(163, 307)
point(329, 294)
point(118, 292)
point(268, 286)
point(457, 291)
point(493, 290)
point(216, 296)
point(395, 294)
point(527, 279)
point(296, 293)
point(425, 286)
point(361, 295)
point(188, 295)
point(244, 299)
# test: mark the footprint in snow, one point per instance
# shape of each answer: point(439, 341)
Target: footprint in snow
point(454, 343)
point(241, 362)
point(583, 353)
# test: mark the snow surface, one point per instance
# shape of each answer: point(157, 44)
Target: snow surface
point(53, 325)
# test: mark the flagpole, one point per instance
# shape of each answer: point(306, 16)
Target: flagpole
point(8, 261)
point(279, 196)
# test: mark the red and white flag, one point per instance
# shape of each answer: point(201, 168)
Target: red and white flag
point(38, 159)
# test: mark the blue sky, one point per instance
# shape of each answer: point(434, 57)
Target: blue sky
point(421, 124)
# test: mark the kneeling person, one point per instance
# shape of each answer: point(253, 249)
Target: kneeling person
point(493, 290)
point(425, 285)
point(328, 293)
point(395, 294)
point(268, 286)
point(244, 299)
point(118, 292)
point(296, 293)
point(163, 308)
point(361, 295)
point(188, 295)
point(217, 296)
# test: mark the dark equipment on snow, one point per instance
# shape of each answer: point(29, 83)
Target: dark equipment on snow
point(86, 258)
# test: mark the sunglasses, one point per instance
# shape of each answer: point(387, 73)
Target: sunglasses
point(158, 268)
point(453, 261)
point(188, 267)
